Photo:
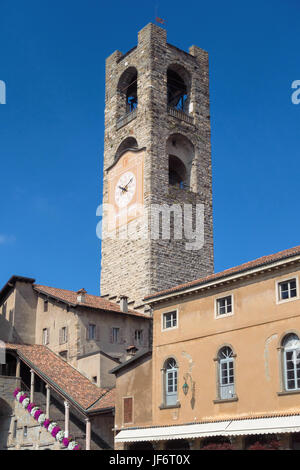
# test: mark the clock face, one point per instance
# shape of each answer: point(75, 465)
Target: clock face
point(125, 189)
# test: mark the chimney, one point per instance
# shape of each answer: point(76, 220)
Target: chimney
point(124, 303)
point(131, 351)
point(81, 295)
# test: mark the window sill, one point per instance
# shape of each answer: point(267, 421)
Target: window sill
point(288, 392)
point(169, 407)
point(283, 301)
point(225, 400)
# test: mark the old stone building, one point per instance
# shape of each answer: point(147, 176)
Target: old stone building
point(89, 332)
point(60, 346)
point(157, 154)
point(82, 412)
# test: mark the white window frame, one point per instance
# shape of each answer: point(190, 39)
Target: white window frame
point(115, 340)
point(222, 386)
point(90, 338)
point(224, 315)
point(64, 334)
point(277, 287)
point(45, 336)
point(171, 398)
point(163, 316)
point(294, 352)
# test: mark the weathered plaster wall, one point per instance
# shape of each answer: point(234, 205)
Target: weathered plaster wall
point(135, 381)
point(54, 319)
point(25, 312)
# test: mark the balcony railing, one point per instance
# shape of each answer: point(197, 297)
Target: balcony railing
point(180, 114)
point(122, 121)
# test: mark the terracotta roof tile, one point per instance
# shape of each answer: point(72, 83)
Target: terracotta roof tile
point(64, 377)
point(92, 301)
point(242, 267)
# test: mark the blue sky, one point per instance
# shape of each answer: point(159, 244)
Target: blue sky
point(52, 56)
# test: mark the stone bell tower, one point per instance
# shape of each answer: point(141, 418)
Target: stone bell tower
point(157, 132)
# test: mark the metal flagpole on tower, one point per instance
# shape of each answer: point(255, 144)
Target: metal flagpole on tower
point(157, 18)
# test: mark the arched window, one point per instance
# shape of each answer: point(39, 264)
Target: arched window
point(170, 382)
point(178, 87)
point(291, 361)
point(127, 144)
point(127, 92)
point(180, 153)
point(177, 172)
point(226, 373)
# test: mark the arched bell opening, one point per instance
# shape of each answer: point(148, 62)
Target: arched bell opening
point(127, 92)
point(180, 152)
point(178, 88)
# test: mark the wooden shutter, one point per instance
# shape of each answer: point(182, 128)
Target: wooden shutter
point(144, 338)
point(111, 336)
point(97, 333)
point(128, 410)
point(67, 334)
point(60, 336)
point(121, 336)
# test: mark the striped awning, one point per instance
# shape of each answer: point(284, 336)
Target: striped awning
point(274, 425)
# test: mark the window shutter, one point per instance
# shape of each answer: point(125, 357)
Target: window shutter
point(97, 334)
point(87, 332)
point(67, 334)
point(121, 336)
point(128, 409)
point(60, 336)
point(144, 338)
point(111, 336)
point(48, 336)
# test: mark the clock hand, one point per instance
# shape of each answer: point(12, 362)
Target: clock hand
point(123, 189)
point(128, 183)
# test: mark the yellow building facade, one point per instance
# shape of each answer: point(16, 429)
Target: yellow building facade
point(226, 359)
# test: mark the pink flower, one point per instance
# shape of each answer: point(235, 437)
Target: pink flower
point(22, 397)
point(66, 441)
point(17, 390)
point(37, 414)
point(76, 448)
point(47, 423)
point(30, 406)
point(55, 431)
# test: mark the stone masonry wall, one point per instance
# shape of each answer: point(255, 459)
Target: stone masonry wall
point(139, 267)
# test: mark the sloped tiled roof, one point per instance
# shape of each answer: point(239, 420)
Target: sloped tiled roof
point(260, 262)
point(91, 301)
point(64, 378)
